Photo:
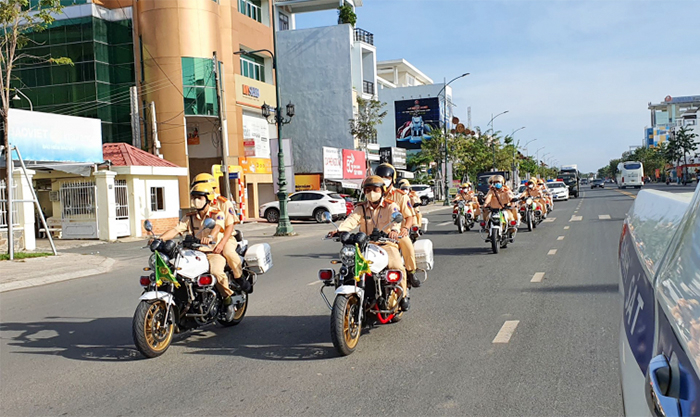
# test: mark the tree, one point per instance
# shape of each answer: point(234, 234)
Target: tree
point(685, 142)
point(364, 126)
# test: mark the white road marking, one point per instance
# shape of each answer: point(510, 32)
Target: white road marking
point(506, 331)
point(549, 220)
point(315, 282)
point(603, 217)
point(444, 223)
point(566, 227)
point(560, 238)
point(538, 277)
point(576, 218)
point(552, 252)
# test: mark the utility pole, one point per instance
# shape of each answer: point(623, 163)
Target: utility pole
point(135, 121)
point(154, 131)
point(223, 129)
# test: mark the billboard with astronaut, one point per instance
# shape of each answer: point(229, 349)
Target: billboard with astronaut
point(415, 118)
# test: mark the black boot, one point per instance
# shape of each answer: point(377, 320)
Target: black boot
point(405, 304)
point(243, 284)
point(415, 282)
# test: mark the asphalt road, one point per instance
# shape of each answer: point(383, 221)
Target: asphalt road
point(66, 348)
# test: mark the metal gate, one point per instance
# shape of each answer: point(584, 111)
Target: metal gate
point(121, 198)
point(78, 210)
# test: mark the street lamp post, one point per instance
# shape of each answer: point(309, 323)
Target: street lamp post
point(284, 226)
point(537, 160)
point(493, 142)
point(545, 159)
point(444, 126)
point(16, 98)
point(515, 149)
point(527, 143)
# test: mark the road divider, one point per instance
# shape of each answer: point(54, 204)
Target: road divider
point(506, 331)
point(627, 193)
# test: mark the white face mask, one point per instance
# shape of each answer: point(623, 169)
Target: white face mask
point(198, 202)
point(531, 186)
point(374, 196)
point(387, 182)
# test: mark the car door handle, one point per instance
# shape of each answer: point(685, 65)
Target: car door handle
point(658, 379)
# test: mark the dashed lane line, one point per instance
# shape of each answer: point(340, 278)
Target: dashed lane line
point(506, 331)
point(318, 281)
point(538, 277)
point(603, 217)
point(576, 218)
point(444, 223)
point(628, 194)
point(567, 227)
point(552, 252)
point(549, 220)
point(560, 238)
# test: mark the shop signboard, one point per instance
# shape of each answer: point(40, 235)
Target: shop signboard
point(394, 156)
point(54, 137)
point(256, 137)
point(256, 165)
point(415, 118)
point(332, 163)
point(307, 182)
point(354, 166)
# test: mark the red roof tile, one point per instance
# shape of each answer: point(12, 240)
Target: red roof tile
point(123, 154)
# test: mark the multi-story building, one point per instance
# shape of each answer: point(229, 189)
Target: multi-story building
point(322, 71)
point(670, 115)
point(166, 48)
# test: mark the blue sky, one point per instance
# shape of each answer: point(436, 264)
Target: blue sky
point(577, 74)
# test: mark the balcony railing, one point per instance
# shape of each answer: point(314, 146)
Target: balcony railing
point(368, 87)
point(364, 36)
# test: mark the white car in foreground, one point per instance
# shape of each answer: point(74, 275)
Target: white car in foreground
point(559, 190)
point(307, 205)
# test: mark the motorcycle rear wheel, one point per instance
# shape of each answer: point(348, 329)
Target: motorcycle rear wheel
point(495, 241)
point(345, 331)
point(151, 338)
point(238, 315)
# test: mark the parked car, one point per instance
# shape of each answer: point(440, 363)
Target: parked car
point(349, 203)
point(520, 191)
point(307, 205)
point(597, 183)
point(425, 192)
point(559, 190)
point(659, 254)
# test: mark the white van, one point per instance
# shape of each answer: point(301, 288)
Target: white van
point(630, 174)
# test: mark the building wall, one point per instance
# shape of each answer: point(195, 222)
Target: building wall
point(316, 74)
point(386, 132)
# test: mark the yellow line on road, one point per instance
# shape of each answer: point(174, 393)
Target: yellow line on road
point(627, 193)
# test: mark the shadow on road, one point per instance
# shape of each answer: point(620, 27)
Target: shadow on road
point(462, 251)
point(573, 289)
point(314, 256)
point(279, 338)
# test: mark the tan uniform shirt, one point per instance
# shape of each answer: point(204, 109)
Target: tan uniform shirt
point(192, 222)
point(401, 200)
point(368, 218)
point(415, 200)
point(225, 206)
point(498, 199)
point(532, 193)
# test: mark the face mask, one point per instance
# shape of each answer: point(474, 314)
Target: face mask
point(531, 186)
point(198, 203)
point(374, 196)
point(387, 182)
point(404, 189)
point(498, 185)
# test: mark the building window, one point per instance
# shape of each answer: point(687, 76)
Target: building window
point(410, 80)
point(284, 22)
point(157, 199)
point(253, 67)
point(199, 87)
point(251, 8)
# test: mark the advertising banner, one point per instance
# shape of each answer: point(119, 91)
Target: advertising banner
point(256, 165)
point(332, 163)
point(415, 119)
point(256, 136)
point(394, 156)
point(307, 182)
point(353, 164)
point(54, 137)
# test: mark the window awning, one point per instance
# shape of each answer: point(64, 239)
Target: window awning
point(83, 169)
point(349, 184)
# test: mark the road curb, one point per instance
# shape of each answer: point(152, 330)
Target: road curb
point(104, 266)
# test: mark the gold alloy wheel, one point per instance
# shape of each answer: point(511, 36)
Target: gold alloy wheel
point(350, 328)
point(158, 336)
point(240, 310)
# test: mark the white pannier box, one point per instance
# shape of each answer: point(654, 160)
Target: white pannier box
point(424, 224)
point(259, 258)
point(424, 254)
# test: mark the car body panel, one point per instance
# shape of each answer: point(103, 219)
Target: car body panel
point(559, 192)
point(301, 206)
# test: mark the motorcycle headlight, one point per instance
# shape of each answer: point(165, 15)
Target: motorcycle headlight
point(152, 260)
point(347, 255)
point(528, 201)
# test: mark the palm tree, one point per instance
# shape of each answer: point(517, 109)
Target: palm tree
point(685, 140)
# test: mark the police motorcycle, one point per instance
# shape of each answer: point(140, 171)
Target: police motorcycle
point(366, 290)
point(531, 211)
point(499, 232)
point(179, 292)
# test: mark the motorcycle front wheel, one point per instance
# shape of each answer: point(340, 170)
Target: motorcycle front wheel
point(460, 224)
point(239, 314)
point(528, 218)
point(345, 329)
point(495, 241)
point(151, 337)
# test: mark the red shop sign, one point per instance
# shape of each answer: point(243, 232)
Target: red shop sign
point(353, 164)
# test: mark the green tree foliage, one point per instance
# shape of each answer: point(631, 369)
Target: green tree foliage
point(684, 141)
point(346, 15)
point(369, 115)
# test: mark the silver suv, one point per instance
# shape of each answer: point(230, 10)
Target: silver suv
point(425, 192)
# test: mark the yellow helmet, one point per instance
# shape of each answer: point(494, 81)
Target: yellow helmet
point(374, 181)
point(205, 178)
point(386, 170)
point(404, 183)
point(467, 185)
point(540, 181)
point(497, 178)
point(532, 181)
point(203, 190)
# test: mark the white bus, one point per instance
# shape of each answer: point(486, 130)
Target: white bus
point(630, 174)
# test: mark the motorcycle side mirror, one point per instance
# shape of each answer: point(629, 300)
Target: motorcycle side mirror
point(209, 223)
point(396, 217)
point(326, 216)
point(148, 226)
